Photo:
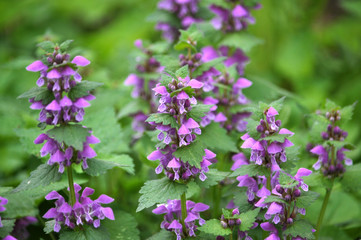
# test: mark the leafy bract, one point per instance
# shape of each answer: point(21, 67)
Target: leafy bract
point(300, 228)
point(82, 89)
point(98, 167)
point(198, 111)
point(159, 191)
point(306, 199)
point(214, 227)
point(250, 170)
point(124, 227)
point(72, 135)
point(164, 118)
point(248, 218)
point(86, 233)
point(192, 153)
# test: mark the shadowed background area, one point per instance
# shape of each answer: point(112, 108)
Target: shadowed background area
point(309, 51)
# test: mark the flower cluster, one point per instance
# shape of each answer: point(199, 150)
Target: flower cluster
point(142, 85)
point(193, 61)
point(59, 105)
point(266, 152)
point(85, 210)
point(331, 160)
point(176, 103)
point(3, 202)
point(184, 10)
point(173, 217)
point(232, 19)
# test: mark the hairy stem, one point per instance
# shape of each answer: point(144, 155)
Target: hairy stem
point(184, 210)
point(71, 185)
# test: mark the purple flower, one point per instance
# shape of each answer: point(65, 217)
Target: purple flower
point(85, 210)
point(269, 227)
point(21, 224)
point(173, 214)
point(3, 202)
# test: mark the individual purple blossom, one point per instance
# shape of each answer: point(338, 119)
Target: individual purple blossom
point(85, 210)
point(3, 202)
point(173, 217)
point(21, 224)
point(9, 237)
point(64, 156)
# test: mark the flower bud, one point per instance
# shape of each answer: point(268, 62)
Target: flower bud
point(344, 134)
point(224, 224)
point(337, 130)
point(329, 128)
point(59, 58)
point(289, 221)
point(331, 169)
point(280, 189)
point(66, 57)
point(235, 211)
point(278, 123)
point(198, 56)
point(327, 114)
point(260, 128)
point(325, 135)
point(338, 118)
point(180, 85)
point(296, 193)
point(166, 225)
point(231, 222)
point(288, 198)
point(266, 132)
point(50, 60)
point(181, 57)
point(332, 119)
point(238, 221)
point(220, 238)
point(222, 217)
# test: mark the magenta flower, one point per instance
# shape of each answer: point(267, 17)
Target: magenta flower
point(3, 202)
point(84, 210)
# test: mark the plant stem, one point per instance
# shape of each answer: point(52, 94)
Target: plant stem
point(184, 210)
point(71, 185)
point(323, 210)
point(216, 199)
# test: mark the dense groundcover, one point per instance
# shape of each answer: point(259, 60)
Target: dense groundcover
point(180, 119)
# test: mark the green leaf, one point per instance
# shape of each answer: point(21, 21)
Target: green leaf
point(20, 204)
point(248, 218)
point(339, 144)
point(162, 235)
point(47, 46)
point(82, 89)
point(213, 177)
point(164, 118)
point(351, 179)
point(273, 198)
point(277, 137)
point(241, 200)
point(165, 80)
point(330, 106)
point(250, 170)
point(306, 199)
point(192, 153)
point(189, 90)
point(172, 74)
point(347, 112)
point(42, 176)
point(181, 45)
point(39, 94)
point(214, 227)
point(207, 65)
point(65, 45)
point(7, 227)
point(183, 72)
point(286, 181)
point(278, 104)
point(49, 226)
point(87, 233)
point(99, 167)
point(198, 111)
point(136, 105)
point(159, 191)
point(300, 228)
point(27, 137)
point(244, 41)
point(169, 62)
point(191, 34)
point(215, 137)
point(252, 129)
point(72, 135)
point(124, 227)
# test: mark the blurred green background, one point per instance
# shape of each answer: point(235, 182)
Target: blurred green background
point(311, 51)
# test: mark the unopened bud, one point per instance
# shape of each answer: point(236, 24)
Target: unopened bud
point(280, 189)
point(289, 220)
point(296, 193)
point(278, 123)
point(238, 221)
point(224, 224)
point(260, 128)
point(325, 135)
point(288, 198)
point(198, 56)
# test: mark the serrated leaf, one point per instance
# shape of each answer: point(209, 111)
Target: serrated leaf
point(72, 135)
point(65, 45)
point(135, 106)
point(306, 199)
point(49, 226)
point(7, 227)
point(215, 137)
point(48, 46)
point(191, 34)
point(244, 41)
point(214, 227)
point(286, 181)
point(169, 62)
point(192, 153)
point(278, 104)
point(207, 65)
point(351, 179)
point(39, 93)
point(162, 235)
point(198, 111)
point(330, 105)
point(27, 137)
point(124, 227)
point(347, 112)
point(339, 144)
point(172, 74)
point(183, 72)
point(165, 80)
point(19, 204)
point(213, 177)
point(273, 198)
point(42, 176)
point(86, 233)
point(252, 129)
point(250, 170)
point(188, 90)
point(82, 89)
point(181, 45)
point(164, 118)
point(159, 191)
point(276, 137)
point(99, 167)
point(300, 228)
point(248, 218)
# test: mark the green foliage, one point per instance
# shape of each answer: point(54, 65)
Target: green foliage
point(347, 112)
point(300, 228)
point(65, 45)
point(213, 177)
point(252, 129)
point(286, 181)
point(306, 199)
point(162, 235)
point(169, 62)
point(73, 135)
point(42, 176)
point(250, 170)
point(82, 89)
point(244, 41)
point(86, 233)
point(165, 80)
point(278, 104)
point(214, 227)
point(248, 218)
point(159, 191)
point(273, 198)
point(136, 105)
point(215, 137)
point(39, 94)
point(351, 180)
point(207, 65)
point(99, 167)
point(27, 137)
point(188, 38)
point(124, 227)
point(276, 137)
point(49, 226)
point(7, 227)
point(183, 72)
point(47, 46)
point(164, 118)
point(198, 111)
point(192, 153)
